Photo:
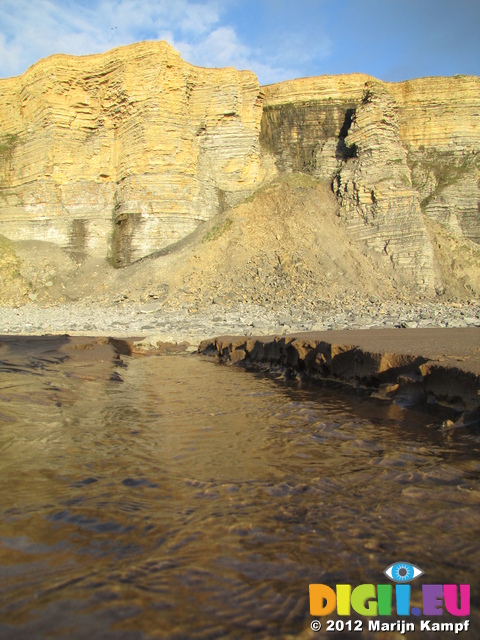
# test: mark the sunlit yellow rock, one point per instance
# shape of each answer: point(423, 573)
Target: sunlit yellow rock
point(123, 154)
point(126, 152)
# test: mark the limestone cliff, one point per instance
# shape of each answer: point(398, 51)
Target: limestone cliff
point(123, 154)
point(375, 189)
point(394, 153)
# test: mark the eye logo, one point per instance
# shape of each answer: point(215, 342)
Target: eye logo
point(403, 572)
point(377, 600)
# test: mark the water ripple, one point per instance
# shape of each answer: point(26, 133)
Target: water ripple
point(198, 501)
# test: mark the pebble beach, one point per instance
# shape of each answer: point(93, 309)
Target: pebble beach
point(186, 323)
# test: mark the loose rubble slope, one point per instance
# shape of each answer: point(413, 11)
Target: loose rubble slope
point(286, 246)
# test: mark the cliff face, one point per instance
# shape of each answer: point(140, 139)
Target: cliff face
point(379, 202)
point(395, 154)
point(123, 154)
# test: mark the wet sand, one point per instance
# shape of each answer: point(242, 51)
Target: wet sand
point(407, 366)
point(410, 366)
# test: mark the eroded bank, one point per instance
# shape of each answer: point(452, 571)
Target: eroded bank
point(412, 367)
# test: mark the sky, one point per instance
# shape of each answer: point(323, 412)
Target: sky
point(392, 40)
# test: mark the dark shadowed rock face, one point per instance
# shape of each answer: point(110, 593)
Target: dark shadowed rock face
point(397, 155)
point(319, 130)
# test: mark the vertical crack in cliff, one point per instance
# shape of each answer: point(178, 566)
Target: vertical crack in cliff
point(125, 154)
point(375, 191)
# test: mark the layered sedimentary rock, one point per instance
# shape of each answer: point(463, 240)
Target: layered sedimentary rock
point(409, 367)
point(436, 117)
point(125, 152)
point(379, 202)
point(394, 153)
point(305, 121)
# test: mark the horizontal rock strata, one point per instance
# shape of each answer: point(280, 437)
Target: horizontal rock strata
point(441, 114)
point(408, 366)
point(126, 153)
point(379, 202)
point(395, 152)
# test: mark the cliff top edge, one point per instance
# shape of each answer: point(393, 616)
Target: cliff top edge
point(151, 47)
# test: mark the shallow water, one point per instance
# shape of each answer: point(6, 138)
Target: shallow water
point(170, 497)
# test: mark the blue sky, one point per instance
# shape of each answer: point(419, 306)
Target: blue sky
point(277, 39)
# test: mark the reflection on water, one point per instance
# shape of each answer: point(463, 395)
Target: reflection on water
point(170, 497)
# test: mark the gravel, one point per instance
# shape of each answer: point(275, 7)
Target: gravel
point(128, 319)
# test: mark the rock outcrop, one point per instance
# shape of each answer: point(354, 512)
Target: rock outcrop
point(124, 154)
point(410, 367)
point(305, 122)
point(395, 153)
point(127, 152)
point(378, 200)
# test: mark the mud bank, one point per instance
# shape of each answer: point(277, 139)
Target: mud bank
point(408, 366)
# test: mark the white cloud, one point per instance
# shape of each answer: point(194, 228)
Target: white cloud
point(220, 48)
point(198, 18)
point(30, 30)
point(33, 30)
